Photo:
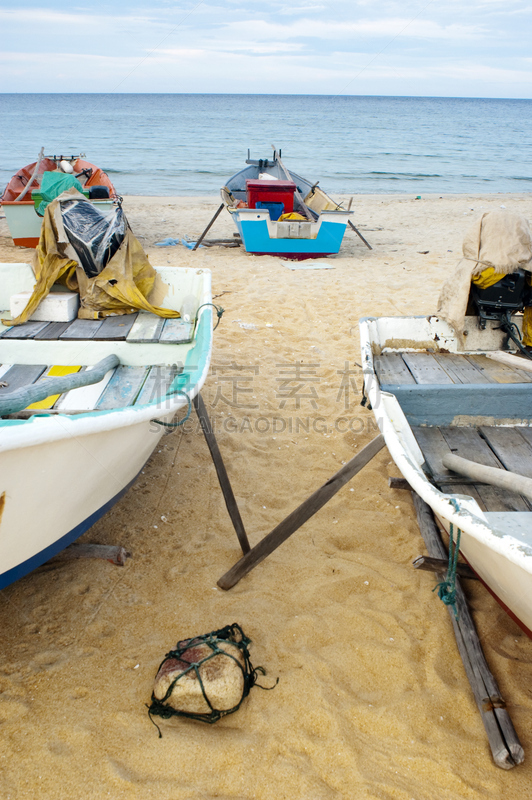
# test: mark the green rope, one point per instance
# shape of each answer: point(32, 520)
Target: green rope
point(219, 312)
point(447, 587)
point(182, 421)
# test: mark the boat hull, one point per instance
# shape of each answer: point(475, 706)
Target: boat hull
point(260, 235)
point(25, 224)
point(60, 472)
point(495, 544)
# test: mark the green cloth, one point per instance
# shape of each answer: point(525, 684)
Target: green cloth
point(52, 185)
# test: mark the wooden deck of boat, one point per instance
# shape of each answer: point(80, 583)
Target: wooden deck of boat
point(121, 387)
point(397, 369)
point(508, 448)
point(500, 447)
point(141, 327)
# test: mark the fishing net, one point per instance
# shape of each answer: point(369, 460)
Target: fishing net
point(206, 677)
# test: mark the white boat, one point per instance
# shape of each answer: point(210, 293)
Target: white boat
point(430, 397)
point(66, 460)
point(22, 195)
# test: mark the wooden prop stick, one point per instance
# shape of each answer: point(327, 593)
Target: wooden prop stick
point(223, 477)
point(107, 552)
point(359, 234)
point(440, 565)
point(505, 745)
point(301, 514)
point(209, 226)
point(306, 211)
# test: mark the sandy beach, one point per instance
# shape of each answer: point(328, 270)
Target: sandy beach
point(372, 700)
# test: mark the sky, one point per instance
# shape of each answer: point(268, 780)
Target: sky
point(459, 48)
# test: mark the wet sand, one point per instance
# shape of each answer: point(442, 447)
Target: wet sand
point(372, 700)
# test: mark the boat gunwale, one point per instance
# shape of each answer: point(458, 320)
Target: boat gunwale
point(471, 523)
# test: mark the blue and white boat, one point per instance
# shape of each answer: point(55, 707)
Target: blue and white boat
point(67, 458)
point(277, 212)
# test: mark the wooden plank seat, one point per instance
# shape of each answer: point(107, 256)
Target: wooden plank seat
point(120, 387)
point(394, 369)
point(508, 448)
point(140, 327)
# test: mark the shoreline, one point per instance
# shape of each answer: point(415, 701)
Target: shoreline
point(372, 700)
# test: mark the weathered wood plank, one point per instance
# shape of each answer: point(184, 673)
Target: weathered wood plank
point(27, 330)
point(425, 368)
point(175, 331)
point(526, 433)
point(468, 443)
point(146, 328)
point(497, 499)
point(123, 388)
point(460, 370)
point(156, 384)
point(392, 370)
point(85, 397)
point(81, 329)
point(429, 564)
point(52, 331)
point(434, 446)
point(499, 373)
point(115, 328)
point(511, 449)
point(21, 375)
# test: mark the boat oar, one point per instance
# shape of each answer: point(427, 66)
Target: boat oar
point(297, 193)
point(11, 402)
point(492, 475)
point(207, 229)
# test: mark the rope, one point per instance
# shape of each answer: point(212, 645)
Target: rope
point(231, 633)
point(182, 421)
point(447, 587)
point(219, 312)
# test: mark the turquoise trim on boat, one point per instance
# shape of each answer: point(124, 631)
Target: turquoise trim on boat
point(196, 357)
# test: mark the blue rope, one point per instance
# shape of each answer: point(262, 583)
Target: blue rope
point(182, 421)
point(447, 587)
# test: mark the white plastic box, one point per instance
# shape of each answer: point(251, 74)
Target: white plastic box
point(56, 306)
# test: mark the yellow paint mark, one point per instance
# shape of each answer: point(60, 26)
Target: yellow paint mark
point(54, 372)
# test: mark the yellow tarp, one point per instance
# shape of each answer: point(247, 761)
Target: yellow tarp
point(123, 286)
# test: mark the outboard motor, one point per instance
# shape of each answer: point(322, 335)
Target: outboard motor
point(508, 296)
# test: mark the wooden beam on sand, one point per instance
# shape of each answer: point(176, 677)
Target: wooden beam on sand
point(106, 552)
point(505, 745)
point(301, 514)
point(223, 478)
point(440, 565)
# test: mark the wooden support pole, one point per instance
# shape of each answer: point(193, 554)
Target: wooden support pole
point(505, 745)
point(223, 478)
point(359, 234)
point(301, 514)
point(209, 226)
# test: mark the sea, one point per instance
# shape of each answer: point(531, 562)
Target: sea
point(190, 144)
